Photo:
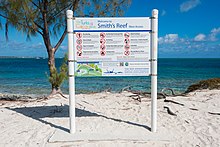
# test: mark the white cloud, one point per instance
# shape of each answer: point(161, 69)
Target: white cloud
point(212, 36)
point(188, 5)
point(169, 38)
point(214, 33)
point(174, 45)
point(200, 37)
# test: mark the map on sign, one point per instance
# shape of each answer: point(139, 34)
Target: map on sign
point(112, 47)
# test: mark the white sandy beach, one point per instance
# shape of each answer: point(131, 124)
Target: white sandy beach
point(34, 123)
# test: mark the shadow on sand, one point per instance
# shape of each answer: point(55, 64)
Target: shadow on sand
point(40, 112)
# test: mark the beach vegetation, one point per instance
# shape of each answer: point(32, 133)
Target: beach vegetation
point(210, 84)
point(47, 18)
point(57, 77)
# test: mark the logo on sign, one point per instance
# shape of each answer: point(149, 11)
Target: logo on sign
point(84, 24)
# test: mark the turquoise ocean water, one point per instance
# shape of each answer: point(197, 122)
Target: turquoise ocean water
point(28, 76)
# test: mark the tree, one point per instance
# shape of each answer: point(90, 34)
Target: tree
point(47, 18)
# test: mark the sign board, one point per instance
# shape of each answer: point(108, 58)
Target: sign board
point(112, 46)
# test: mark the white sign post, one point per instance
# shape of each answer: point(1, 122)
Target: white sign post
point(71, 60)
point(112, 47)
point(154, 44)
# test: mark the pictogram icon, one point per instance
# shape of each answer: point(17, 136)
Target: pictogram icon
point(102, 53)
point(102, 41)
point(79, 35)
point(79, 53)
point(102, 47)
point(127, 53)
point(102, 35)
point(127, 47)
point(79, 41)
point(126, 35)
point(79, 47)
point(127, 41)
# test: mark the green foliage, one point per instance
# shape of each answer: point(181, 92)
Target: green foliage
point(34, 16)
point(57, 77)
point(205, 84)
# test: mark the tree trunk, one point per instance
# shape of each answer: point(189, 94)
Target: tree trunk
point(51, 64)
point(55, 90)
point(51, 60)
point(52, 67)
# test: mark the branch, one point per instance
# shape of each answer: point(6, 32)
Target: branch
point(4, 16)
point(171, 101)
point(6, 30)
point(61, 39)
point(35, 5)
point(40, 32)
point(40, 6)
point(76, 2)
point(45, 30)
point(38, 26)
point(214, 113)
point(169, 111)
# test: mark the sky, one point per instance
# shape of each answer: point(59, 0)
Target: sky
point(187, 29)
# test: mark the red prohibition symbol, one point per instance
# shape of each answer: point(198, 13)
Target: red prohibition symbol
point(79, 35)
point(103, 53)
point(102, 47)
point(102, 35)
point(127, 47)
point(102, 41)
point(127, 53)
point(79, 47)
point(126, 35)
point(127, 41)
point(79, 41)
point(79, 53)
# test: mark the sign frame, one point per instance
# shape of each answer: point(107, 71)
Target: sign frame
point(153, 25)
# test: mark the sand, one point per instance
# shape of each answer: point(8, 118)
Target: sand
point(195, 121)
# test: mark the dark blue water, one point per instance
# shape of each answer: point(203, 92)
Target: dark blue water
point(29, 76)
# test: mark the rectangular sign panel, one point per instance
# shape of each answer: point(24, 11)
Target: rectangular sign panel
point(110, 23)
point(112, 47)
